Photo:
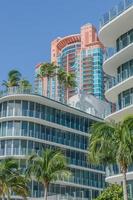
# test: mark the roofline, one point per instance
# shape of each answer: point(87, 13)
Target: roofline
point(57, 102)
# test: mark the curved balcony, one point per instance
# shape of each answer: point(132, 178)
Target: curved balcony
point(119, 177)
point(118, 18)
point(114, 59)
point(113, 174)
point(118, 85)
point(120, 113)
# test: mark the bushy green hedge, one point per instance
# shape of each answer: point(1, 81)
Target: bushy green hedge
point(112, 192)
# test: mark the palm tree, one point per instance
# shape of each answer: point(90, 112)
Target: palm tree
point(11, 180)
point(50, 166)
point(47, 70)
point(14, 77)
point(112, 143)
point(66, 80)
point(25, 84)
point(61, 76)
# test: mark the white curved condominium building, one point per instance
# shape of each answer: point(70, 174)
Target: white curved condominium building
point(31, 123)
point(116, 33)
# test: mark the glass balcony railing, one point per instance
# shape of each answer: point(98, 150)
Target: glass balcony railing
point(122, 44)
point(109, 53)
point(115, 11)
point(66, 197)
point(125, 102)
point(16, 90)
point(115, 170)
point(120, 78)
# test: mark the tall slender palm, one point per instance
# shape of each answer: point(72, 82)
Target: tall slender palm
point(14, 77)
point(11, 180)
point(112, 143)
point(48, 167)
point(47, 70)
point(61, 76)
point(66, 80)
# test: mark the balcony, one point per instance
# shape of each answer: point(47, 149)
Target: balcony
point(116, 22)
point(115, 11)
point(16, 90)
point(119, 79)
point(113, 58)
point(124, 108)
point(113, 174)
point(121, 44)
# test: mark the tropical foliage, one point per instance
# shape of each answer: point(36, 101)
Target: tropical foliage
point(112, 192)
point(25, 84)
point(15, 79)
point(11, 180)
point(112, 143)
point(47, 70)
point(48, 167)
point(66, 79)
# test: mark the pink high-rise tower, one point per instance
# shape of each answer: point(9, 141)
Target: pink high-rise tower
point(82, 54)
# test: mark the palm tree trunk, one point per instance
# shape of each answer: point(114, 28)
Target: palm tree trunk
point(45, 191)
point(125, 194)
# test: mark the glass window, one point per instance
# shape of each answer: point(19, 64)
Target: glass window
point(68, 122)
point(0, 109)
point(10, 108)
point(43, 111)
point(36, 147)
point(18, 108)
point(37, 130)
point(4, 109)
point(37, 110)
point(4, 129)
point(25, 108)
point(43, 134)
point(17, 128)
point(31, 129)
point(30, 147)
point(9, 147)
point(131, 36)
point(63, 118)
point(124, 40)
point(31, 109)
point(10, 128)
point(77, 122)
point(2, 148)
point(24, 128)
point(23, 147)
point(16, 147)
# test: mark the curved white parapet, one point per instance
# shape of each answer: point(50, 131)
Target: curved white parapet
point(118, 178)
point(45, 101)
point(122, 23)
point(111, 64)
point(120, 114)
point(112, 93)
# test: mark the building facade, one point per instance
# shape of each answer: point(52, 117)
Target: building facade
point(30, 123)
point(81, 54)
point(116, 33)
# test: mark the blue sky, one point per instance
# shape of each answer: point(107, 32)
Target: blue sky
point(27, 28)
